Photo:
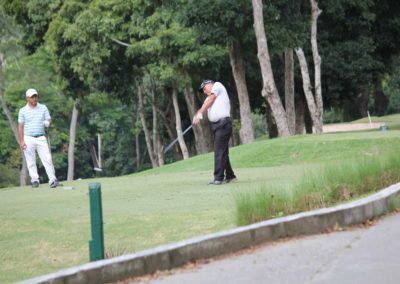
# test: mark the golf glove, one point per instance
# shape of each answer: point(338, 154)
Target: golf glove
point(46, 123)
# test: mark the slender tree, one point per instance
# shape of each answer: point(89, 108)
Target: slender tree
point(231, 29)
point(71, 84)
point(71, 145)
point(8, 38)
point(13, 125)
point(269, 91)
point(289, 90)
point(315, 12)
point(202, 134)
point(178, 122)
point(307, 88)
point(149, 144)
point(156, 136)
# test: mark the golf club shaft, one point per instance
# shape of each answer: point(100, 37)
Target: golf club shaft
point(48, 138)
point(176, 140)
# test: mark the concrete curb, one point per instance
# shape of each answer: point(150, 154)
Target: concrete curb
point(174, 255)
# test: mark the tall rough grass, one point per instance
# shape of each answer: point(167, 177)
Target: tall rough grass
point(263, 203)
point(329, 185)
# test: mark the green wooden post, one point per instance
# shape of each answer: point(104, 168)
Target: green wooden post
point(96, 244)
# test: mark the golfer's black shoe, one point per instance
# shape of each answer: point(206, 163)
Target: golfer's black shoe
point(215, 182)
point(35, 184)
point(54, 184)
point(230, 179)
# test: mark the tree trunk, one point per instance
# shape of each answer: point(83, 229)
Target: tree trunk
point(313, 109)
point(308, 124)
point(23, 176)
point(144, 125)
point(202, 134)
point(235, 114)
point(168, 117)
point(138, 156)
point(289, 90)
point(239, 74)
point(381, 101)
point(362, 103)
point(24, 169)
point(167, 122)
point(160, 154)
point(315, 12)
point(300, 109)
point(271, 125)
point(178, 122)
point(71, 146)
point(156, 137)
point(135, 120)
point(270, 92)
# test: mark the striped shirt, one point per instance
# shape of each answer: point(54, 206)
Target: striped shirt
point(33, 119)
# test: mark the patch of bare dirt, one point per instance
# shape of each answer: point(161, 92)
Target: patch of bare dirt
point(343, 127)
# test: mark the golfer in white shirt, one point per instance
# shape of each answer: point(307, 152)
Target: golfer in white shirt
point(218, 108)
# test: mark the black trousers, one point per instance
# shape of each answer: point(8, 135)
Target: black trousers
point(222, 131)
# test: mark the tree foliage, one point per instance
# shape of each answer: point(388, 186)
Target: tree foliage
point(95, 51)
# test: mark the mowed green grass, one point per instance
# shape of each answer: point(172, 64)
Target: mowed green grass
point(44, 230)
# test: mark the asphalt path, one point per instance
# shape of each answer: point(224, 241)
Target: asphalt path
point(361, 254)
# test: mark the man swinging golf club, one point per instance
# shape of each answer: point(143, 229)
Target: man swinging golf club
point(217, 106)
point(32, 119)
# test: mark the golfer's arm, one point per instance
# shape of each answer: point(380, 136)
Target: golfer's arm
point(207, 104)
point(20, 133)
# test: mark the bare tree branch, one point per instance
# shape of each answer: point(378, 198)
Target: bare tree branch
point(120, 42)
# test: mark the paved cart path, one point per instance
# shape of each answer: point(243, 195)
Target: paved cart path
point(364, 254)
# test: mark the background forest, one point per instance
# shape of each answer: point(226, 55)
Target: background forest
point(125, 73)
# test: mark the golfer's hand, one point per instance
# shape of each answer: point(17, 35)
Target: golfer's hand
point(22, 145)
point(195, 120)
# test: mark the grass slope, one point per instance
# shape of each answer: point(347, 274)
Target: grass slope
point(44, 230)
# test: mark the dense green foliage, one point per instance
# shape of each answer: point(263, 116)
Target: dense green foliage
point(8, 177)
point(95, 53)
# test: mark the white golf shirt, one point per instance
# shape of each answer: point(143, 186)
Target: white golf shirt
point(221, 107)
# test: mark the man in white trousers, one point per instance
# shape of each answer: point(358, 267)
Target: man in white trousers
point(32, 119)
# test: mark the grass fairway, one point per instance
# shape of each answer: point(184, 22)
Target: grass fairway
point(43, 230)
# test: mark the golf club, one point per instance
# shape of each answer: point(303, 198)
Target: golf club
point(176, 140)
point(46, 125)
point(48, 138)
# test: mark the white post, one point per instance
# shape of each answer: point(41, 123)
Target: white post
point(99, 150)
point(369, 118)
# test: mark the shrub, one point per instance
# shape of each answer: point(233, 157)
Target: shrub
point(259, 123)
point(8, 177)
point(333, 116)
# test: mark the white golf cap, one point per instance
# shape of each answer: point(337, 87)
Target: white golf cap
point(31, 92)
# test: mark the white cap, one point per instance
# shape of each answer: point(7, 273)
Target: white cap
point(31, 92)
